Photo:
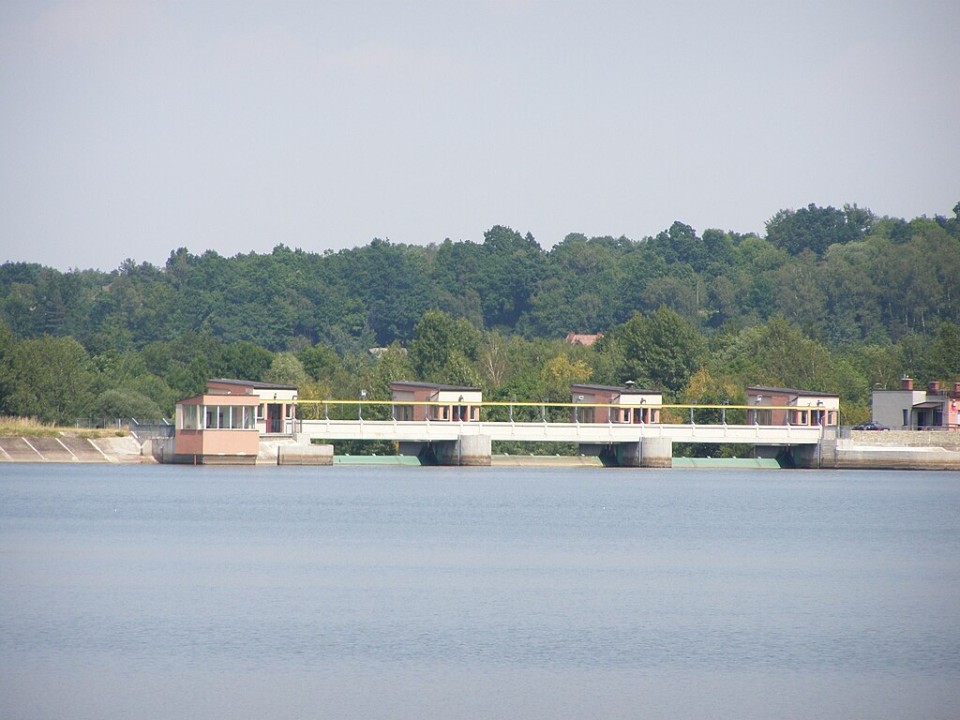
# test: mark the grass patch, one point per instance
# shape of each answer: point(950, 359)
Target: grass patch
point(31, 427)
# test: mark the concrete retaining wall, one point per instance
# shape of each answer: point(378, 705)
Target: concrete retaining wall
point(896, 450)
point(892, 458)
point(305, 455)
point(70, 449)
point(947, 439)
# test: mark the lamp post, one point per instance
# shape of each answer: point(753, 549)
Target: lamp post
point(363, 396)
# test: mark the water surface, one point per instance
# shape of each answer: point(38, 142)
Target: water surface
point(371, 592)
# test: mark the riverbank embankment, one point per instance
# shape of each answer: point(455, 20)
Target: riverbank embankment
point(69, 448)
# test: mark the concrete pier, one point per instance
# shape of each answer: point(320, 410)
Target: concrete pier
point(656, 453)
point(466, 450)
point(646, 453)
point(814, 456)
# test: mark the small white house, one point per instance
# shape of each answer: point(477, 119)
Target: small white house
point(277, 408)
point(909, 409)
point(432, 401)
point(613, 404)
point(787, 406)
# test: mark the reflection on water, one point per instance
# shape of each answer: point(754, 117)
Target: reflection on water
point(540, 593)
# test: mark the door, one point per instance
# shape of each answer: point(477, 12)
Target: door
point(274, 418)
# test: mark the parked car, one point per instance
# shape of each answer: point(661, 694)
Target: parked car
point(870, 425)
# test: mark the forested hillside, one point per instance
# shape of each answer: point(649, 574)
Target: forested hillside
point(828, 299)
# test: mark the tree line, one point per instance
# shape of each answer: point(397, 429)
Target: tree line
point(836, 300)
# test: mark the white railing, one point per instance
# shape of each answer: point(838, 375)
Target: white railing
point(583, 433)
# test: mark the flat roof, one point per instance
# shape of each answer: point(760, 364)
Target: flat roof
point(433, 386)
point(253, 384)
point(617, 388)
point(215, 399)
point(792, 391)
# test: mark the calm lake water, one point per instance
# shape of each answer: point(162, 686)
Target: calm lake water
point(368, 592)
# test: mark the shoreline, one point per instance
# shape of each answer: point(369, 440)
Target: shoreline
point(847, 455)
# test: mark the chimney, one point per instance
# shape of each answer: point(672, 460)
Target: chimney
point(906, 383)
point(933, 386)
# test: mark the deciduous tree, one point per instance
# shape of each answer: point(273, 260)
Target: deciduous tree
point(444, 349)
point(50, 379)
point(661, 350)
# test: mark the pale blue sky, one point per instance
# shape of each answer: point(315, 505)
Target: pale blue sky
point(131, 128)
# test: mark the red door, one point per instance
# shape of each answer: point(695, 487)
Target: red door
point(274, 418)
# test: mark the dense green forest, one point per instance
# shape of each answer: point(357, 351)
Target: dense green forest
point(836, 300)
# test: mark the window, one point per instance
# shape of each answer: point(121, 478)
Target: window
point(236, 417)
point(190, 417)
point(225, 417)
point(763, 417)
